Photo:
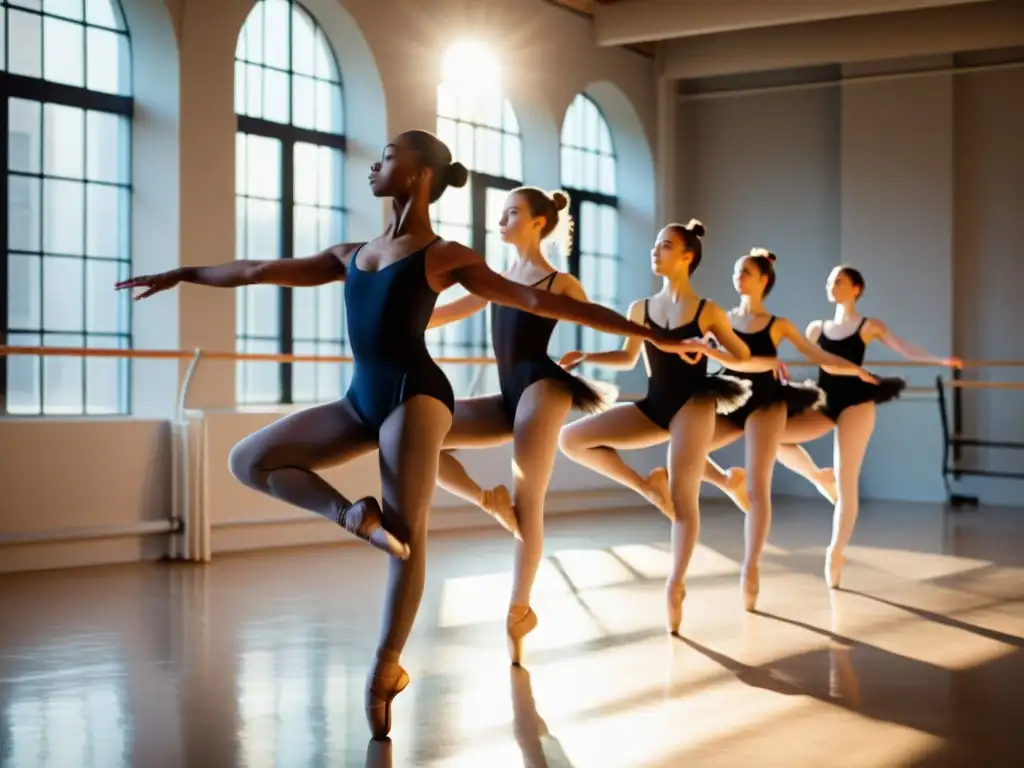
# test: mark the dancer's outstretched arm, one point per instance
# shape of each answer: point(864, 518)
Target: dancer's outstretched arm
point(328, 266)
point(616, 359)
point(876, 329)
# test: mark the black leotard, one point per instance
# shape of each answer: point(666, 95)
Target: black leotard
point(673, 381)
point(387, 313)
point(766, 389)
point(520, 342)
point(842, 392)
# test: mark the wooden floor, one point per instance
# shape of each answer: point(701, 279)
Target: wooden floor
point(259, 660)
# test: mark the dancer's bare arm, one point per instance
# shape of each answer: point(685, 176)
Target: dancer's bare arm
point(876, 329)
point(452, 312)
point(617, 359)
point(814, 353)
point(328, 266)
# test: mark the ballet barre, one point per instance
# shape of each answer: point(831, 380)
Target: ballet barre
point(954, 440)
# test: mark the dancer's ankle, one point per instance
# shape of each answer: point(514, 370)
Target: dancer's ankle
point(388, 655)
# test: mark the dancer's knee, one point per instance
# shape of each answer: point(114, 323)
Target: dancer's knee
point(244, 464)
point(571, 441)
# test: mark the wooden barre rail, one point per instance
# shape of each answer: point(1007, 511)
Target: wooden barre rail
point(181, 354)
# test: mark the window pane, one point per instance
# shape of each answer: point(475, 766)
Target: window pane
point(328, 380)
point(330, 228)
point(568, 172)
point(63, 52)
point(608, 175)
point(63, 216)
point(304, 105)
point(71, 9)
point(63, 293)
point(276, 94)
point(258, 382)
point(24, 145)
point(262, 311)
point(253, 91)
point(465, 146)
point(103, 309)
point(275, 33)
point(329, 311)
point(512, 167)
point(240, 91)
point(108, 61)
point(102, 13)
point(590, 165)
point(328, 108)
point(448, 132)
point(609, 231)
point(23, 220)
point(326, 66)
point(3, 39)
point(605, 142)
point(23, 293)
point(62, 377)
point(330, 176)
point(24, 377)
point(304, 374)
point(454, 206)
point(106, 378)
point(25, 38)
point(107, 147)
point(64, 140)
point(263, 229)
point(491, 110)
point(305, 158)
point(303, 43)
point(305, 223)
point(241, 230)
point(263, 167)
point(488, 151)
point(509, 121)
point(252, 33)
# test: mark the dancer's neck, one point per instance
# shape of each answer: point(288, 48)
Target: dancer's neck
point(750, 305)
point(530, 255)
point(408, 217)
point(844, 313)
point(678, 288)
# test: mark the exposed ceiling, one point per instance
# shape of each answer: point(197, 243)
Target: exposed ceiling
point(645, 22)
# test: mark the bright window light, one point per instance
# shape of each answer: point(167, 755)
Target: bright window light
point(471, 68)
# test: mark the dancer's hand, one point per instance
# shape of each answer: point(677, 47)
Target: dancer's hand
point(572, 359)
point(154, 283)
point(781, 372)
point(953, 362)
point(867, 376)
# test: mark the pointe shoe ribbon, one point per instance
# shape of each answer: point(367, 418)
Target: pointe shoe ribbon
point(365, 520)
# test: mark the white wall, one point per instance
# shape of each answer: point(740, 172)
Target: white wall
point(87, 471)
point(915, 181)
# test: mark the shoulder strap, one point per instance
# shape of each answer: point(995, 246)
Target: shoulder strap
point(551, 280)
point(771, 322)
point(647, 311)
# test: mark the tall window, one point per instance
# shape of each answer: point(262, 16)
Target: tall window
point(482, 132)
point(67, 109)
point(588, 174)
point(289, 164)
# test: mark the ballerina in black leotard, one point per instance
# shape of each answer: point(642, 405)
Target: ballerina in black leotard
point(535, 397)
point(398, 400)
point(849, 407)
point(680, 404)
point(762, 418)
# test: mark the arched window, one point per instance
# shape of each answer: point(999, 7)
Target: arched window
point(482, 132)
point(289, 164)
point(67, 110)
point(588, 174)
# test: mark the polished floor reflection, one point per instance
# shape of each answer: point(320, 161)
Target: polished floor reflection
point(259, 660)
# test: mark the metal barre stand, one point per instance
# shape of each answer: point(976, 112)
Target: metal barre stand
point(954, 441)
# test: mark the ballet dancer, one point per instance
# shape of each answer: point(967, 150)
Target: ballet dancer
point(398, 400)
point(849, 407)
point(762, 419)
point(680, 404)
point(535, 396)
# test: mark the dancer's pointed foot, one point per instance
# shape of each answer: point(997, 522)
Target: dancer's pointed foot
point(736, 488)
point(365, 519)
point(497, 502)
point(387, 679)
point(378, 753)
point(825, 481)
point(657, 491)
point(674, 595)
point(834, 562)
point(520, 622)
point(750, 586)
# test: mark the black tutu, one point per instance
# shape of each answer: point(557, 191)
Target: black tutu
point(842, 392)
point(730, 393)
point(588, 395)
point(888, 388)
point(800, 397)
